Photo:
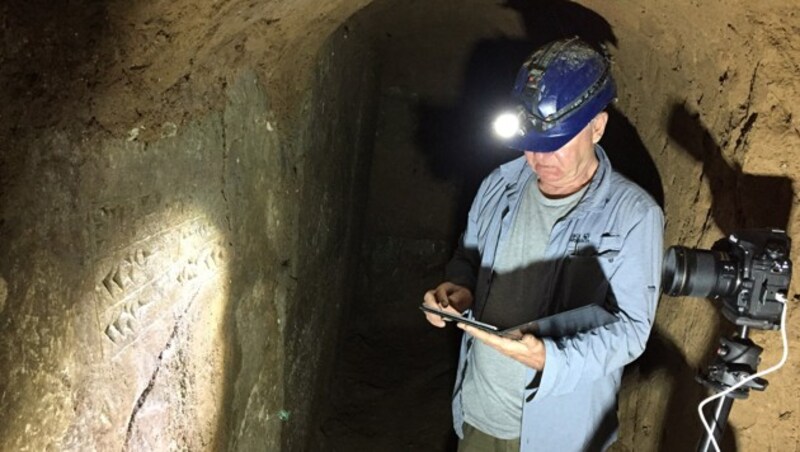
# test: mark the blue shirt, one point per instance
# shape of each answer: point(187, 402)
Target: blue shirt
point(608, 247)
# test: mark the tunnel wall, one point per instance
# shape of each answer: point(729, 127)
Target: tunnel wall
point(340, 132)
point(172, 273)
point(712, 90)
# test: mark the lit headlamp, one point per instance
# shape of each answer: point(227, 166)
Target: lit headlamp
point(556, 93)
point(510, 123)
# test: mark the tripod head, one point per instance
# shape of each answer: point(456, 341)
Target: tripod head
point(737, 359)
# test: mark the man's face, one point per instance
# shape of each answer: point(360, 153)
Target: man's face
point(567, 169)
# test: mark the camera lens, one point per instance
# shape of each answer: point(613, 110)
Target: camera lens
point(698, 273)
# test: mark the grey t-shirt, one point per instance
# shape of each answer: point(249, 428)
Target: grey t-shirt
point(493, 383)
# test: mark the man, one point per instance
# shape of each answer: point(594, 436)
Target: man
point(554, 229)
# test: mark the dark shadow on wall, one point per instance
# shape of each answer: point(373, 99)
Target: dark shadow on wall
point(394, 372)
point(739, 200)
point(457, 139)
point(681, 428)
point(630, 156)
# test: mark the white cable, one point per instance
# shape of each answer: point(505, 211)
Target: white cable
point(748, 379)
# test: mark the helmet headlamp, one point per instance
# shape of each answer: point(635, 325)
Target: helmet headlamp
point(558, 90)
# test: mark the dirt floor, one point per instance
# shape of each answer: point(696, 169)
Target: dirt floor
point(706, 121)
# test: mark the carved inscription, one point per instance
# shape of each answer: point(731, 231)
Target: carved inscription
point(155, 275)
point(207, 260)
point(126, 272)
point(135, 215)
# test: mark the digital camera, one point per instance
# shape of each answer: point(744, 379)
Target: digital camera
point(749, 272)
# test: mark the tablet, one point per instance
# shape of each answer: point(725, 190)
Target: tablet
point(565, 323)
point(562, 324)
point(450, 317)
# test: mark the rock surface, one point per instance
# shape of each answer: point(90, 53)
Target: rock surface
point(193, 197)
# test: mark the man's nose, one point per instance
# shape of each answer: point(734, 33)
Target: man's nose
point(538, 156)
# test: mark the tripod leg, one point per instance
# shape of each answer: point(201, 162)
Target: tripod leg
point(716, 420)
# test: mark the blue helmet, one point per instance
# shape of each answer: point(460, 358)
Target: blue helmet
point(558, 90)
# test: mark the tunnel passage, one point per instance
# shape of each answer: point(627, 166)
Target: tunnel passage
point(199, 202)
point(439, 92)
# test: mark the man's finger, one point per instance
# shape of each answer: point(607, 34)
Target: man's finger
point(460, 297)
point(429, 298)
point(442, 296)
point(435, 320)
point(499, 343)
point(479, 334)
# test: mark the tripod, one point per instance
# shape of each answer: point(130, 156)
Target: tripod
point(737, 358)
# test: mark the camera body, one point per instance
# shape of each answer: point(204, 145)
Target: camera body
point(765, 273)
point(749, 272)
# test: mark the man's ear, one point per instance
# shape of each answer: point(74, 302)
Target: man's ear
point(599, 126)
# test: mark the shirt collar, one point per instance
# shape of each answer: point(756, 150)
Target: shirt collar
point(517, 172)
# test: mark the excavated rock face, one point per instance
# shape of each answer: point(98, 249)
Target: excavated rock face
point(194, 198)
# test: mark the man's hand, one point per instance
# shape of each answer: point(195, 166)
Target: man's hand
point(529, 350)
point(447, 297)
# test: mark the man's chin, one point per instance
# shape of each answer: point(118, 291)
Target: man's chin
point(548, 175)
